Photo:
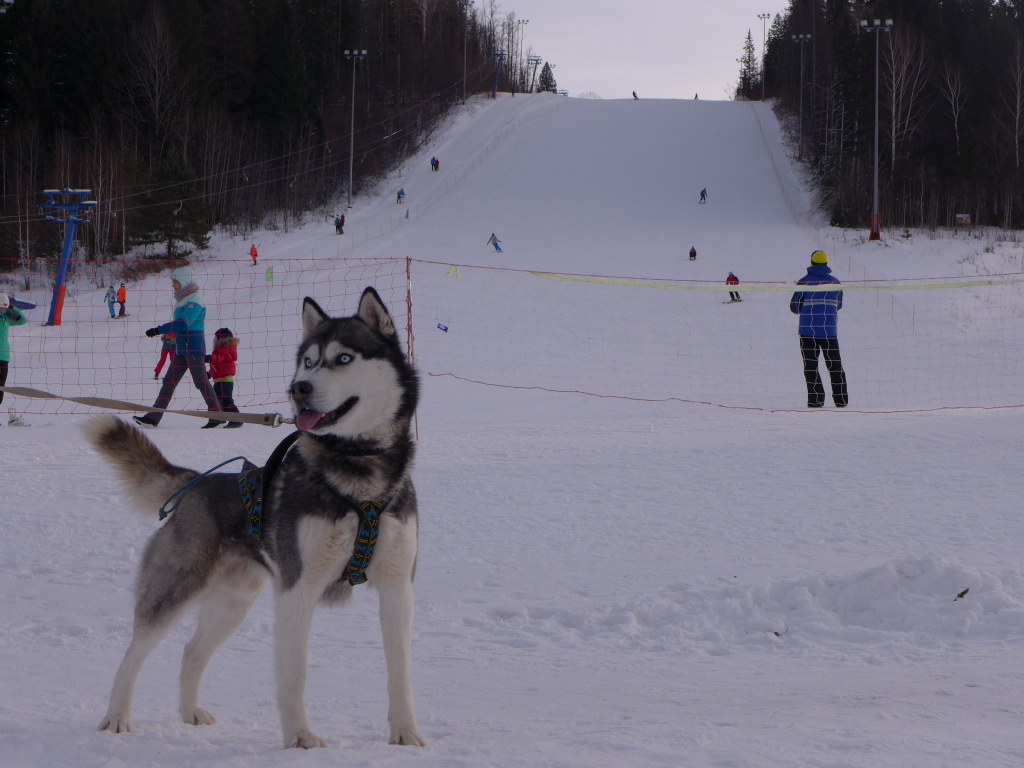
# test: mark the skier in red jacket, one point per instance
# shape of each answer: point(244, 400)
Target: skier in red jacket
point(254, 252)
point(733, 280)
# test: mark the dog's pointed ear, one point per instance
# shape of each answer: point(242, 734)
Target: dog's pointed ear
point(374, 314)
point(312, 317)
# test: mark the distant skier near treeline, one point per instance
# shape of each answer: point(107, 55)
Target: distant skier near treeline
point(401, 195)
point(339, 224)
point(819, 314)
point(434, 163)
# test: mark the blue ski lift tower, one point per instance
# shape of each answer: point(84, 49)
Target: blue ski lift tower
point(70, 207)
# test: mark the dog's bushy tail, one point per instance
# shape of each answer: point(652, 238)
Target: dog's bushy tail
point(145, 474)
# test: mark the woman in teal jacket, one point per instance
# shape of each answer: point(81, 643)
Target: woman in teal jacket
point(189, 331)
point(9, 316)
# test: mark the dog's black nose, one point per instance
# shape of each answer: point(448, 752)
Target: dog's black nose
point(301, 390)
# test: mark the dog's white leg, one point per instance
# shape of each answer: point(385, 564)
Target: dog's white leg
point(294, 614)
point(144, 639)
point(396, 609)
point(222, 611)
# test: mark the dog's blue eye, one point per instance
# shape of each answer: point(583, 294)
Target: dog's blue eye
point(309, 363)
point(344, 359)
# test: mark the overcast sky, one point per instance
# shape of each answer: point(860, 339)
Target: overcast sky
point(660, 48)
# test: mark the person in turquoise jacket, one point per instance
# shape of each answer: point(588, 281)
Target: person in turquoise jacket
point(9, 315)
point(188, 327)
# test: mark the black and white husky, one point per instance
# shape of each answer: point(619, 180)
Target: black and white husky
point(353, 396)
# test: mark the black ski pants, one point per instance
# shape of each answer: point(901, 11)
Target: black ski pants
point(194, 364)
point(3, 377)
point(809, 346)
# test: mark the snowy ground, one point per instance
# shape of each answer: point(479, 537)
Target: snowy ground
point(600, 583)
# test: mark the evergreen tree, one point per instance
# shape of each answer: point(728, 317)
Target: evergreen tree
point(173, 211)
point(546, 81)
point(749, 86)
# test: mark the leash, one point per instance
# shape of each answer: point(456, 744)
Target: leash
point(262, 419)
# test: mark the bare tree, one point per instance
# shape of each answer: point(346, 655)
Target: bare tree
point(424, 8)
point(1013, 98)
point(953, 87)
point(159, 87)
point(906, 77)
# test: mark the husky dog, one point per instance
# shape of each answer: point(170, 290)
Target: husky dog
point(353, 396)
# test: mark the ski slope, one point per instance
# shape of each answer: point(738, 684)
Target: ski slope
point(600, 582)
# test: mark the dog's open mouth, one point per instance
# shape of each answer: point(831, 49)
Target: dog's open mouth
point(307, 419)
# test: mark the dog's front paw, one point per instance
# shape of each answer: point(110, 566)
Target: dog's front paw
point(304, 740)
point(197, 716)
point(408, 736)
point(115, 724)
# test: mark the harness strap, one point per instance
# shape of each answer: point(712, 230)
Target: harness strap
point(366, 539)
point(254, 483)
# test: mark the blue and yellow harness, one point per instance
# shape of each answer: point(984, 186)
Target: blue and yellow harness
point(252, 481)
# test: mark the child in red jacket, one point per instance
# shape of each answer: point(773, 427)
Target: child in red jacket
point(223, 366)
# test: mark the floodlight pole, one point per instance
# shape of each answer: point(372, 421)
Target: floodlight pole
point(466, 5)
point(764, 45)
point(355, 56)
point(76, 202)
point(877, 27)
point(803, 40)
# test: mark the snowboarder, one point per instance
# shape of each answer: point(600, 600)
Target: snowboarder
point(9, 315)
point(494, 241)
point(401, 195)
point(223, 366)
point(733, 280)
point(819, 312)
point(693, 253)
point(110, 298)
point(635, 97)
point(704, 195)
point(188, 327)
point(254, 253)
point(122, 297)
point(166, 352)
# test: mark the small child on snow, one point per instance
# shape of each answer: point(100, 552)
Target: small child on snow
point(166, 352)
point(223, 366)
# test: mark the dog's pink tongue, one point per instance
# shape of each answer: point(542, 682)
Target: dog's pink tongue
point(308, 419)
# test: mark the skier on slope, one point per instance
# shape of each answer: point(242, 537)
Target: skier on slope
point(819, 313)
point(493, 240)
point(401, 195)
point(110, 297)
point(254, 253)
point(635, 97)
point(733, 280)
point(704, 195)
point(693, 253)
point(122, 297)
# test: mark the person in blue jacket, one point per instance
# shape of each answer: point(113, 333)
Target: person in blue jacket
point(189, 332)
point(111, 298)
point(819, 312)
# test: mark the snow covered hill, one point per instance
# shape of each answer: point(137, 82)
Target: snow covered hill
point(600, 582)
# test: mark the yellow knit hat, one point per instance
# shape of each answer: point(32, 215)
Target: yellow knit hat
point(819, 257)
